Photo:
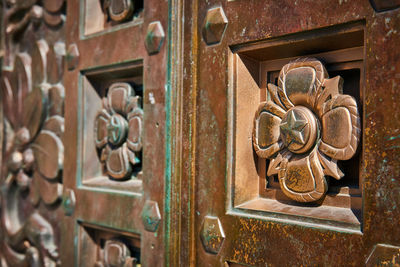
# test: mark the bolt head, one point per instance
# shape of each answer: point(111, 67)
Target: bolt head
point(154, 38)
point(214, 25)
point(69, 202)
point(151, 216)
point(212, 235)
point(72, 56)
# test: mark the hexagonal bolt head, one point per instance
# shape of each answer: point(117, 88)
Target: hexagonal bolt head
point(151, 216)
point(69, 202)
point(72, 56)
point(214, 25)
point(212, 235)
point(381, 254)
point(154, 38)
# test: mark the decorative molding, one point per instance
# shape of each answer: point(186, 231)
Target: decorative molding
point(118, 131)
point(305, 127)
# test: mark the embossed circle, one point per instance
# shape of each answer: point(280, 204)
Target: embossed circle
point(117, 129)
point(299, 129)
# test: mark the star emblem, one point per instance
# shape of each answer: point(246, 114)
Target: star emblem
point(292, 129)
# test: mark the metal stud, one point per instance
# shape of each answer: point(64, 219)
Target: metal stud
point(154, 38)
point(214, 25)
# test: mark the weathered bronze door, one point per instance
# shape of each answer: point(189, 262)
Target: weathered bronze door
point(292, 120)
point(200, 133)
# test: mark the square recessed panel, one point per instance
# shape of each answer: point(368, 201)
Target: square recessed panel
point(115, 164)
point(341, 50)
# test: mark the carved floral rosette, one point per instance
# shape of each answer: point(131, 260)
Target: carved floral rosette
point(32, 98)
point(118, 131)
point(305, 127)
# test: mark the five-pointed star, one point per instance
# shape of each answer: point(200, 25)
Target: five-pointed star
point(293, 129)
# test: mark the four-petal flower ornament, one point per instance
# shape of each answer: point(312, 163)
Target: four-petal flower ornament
point(305, 126)
point(118, 131)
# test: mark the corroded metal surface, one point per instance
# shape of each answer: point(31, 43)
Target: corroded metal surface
point(268, 31)
point(201, 84)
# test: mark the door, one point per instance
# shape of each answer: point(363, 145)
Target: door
point(83, 90)
point(199, 133)
point(292, 121)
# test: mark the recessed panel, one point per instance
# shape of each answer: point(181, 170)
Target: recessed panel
point(112, 127)
point(301, 145)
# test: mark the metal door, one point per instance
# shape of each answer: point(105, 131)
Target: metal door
point(290, 126)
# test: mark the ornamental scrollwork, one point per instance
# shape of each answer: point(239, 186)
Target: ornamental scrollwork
point(118, 131)
point(305, 127)
point(32, 96)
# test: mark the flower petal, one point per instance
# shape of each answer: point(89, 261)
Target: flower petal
point(117, 163)
point(302, 179)
point(8, 99)
point(56, 100)
point(118, 97)
point(34, 110)
point(50, 191)
point(301, 81)
point(39, 62)
point(340, 127)
point(100, 128)
point(49, 154)
point(55, 124)
point(135, 121)
point(20, 82)
point(55, 61)
point(53, 5)
point(266, 129)
point(34, 190)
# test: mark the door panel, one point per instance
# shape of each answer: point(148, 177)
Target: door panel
point(264, 195)
point(115, 132)
point(199, 133)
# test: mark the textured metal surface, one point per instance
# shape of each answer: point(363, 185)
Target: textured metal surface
point(200, 92)
point(212, 234)
point(210, 125)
